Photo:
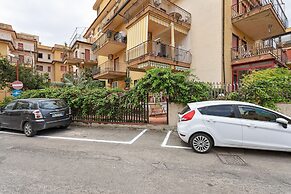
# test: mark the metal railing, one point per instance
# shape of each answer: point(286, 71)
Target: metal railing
point(166, 6)
point(110, 35)
point(258, 49)
point(108, 66)
point(246, 6)
point(159, 49)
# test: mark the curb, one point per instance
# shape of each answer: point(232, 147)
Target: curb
point(127, 126)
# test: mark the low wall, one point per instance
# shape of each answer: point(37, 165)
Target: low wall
point(173, 113)
point(285, 109)
point(4, 93)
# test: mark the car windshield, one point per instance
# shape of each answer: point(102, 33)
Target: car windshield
point(52, 104)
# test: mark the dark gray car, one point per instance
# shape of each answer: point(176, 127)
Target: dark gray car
point(32, 115)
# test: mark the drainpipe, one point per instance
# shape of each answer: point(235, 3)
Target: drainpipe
point(223, 39)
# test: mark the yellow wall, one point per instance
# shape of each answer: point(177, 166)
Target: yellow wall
point(229, 30)
point(4, 49)
point(58, 73)
point(135, 75)
point(103, 4)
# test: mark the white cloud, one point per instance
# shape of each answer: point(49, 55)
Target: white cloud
point(55, 20)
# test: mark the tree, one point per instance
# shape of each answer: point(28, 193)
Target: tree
point(30, 79)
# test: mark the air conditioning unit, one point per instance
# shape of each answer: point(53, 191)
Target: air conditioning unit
point(110, 57)
point(109, 33)
point(157, 2)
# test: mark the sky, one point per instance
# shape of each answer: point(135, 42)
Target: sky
point(54, 21)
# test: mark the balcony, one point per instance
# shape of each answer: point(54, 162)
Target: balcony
point(153, 54)
point(109, 70)
point(73, 59)
point(127, 10)
point(263, 51)
point(266, 15)
point(109, 43)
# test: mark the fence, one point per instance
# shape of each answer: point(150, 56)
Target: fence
point(116, 114)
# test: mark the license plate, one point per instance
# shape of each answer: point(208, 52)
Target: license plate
point(58, 114)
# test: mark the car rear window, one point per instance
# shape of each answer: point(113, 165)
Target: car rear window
point(218, 110)
point(185, 109)
point(52, 104)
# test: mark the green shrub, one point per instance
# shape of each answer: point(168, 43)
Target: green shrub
point(265, 87)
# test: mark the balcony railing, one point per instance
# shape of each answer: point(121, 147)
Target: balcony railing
point(246, 6)
point(259, 49)
point(108, 36)
point(113, 12)
point(171, 9)
point(106, 67)
point(159, 49)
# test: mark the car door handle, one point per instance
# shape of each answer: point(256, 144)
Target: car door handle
point(251, 125)
point(210, 120)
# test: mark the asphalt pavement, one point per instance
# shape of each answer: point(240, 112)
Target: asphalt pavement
point(105, 160)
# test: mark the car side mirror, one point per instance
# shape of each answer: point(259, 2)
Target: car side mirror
point(283, 122)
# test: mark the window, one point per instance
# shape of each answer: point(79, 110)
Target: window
point(52, 104)
point(235, 42)
point(258, 114)
point(20, 46)
point(63, 68)
point(62, 55)
point(10, 106)
point(49, 56)
point(40, 55)
point(135, 82)
point(218, 110)
point(114, 84)
point(49, 69)
point(22, 106)
point(21, 59)
point(39, 68)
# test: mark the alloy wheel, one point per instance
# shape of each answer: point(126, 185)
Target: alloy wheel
point(201, 143)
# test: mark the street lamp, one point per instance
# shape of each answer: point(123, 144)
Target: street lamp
point(17, 65)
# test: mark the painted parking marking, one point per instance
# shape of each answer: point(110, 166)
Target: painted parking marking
point(83, 139)
point(164, 144)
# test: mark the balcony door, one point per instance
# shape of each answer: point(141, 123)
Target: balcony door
point(87, 54)
point(116, 64)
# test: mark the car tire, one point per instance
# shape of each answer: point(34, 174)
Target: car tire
point(28, 130)
point(201, 143)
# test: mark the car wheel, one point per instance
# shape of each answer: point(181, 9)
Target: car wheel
point(28, 130)
point(201, 143)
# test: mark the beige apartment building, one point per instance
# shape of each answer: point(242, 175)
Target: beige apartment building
point(219, 41)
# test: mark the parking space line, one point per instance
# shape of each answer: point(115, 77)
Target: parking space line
point(164, 144)
point(84, 139)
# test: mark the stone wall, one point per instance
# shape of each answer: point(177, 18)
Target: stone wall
point(173, 113)
point(285, 109)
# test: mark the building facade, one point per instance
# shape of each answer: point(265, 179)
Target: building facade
point(220, 41)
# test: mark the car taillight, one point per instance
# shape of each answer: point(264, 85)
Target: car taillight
point(37, 114)
point(188, 116)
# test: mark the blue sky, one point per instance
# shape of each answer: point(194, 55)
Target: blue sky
point(55, 20)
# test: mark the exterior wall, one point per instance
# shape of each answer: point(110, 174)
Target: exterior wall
point(4, 49)
point(45, 70)
point(205, 38)
point(45, 54)
point(135, 76)
point(4, 93)
point(58, 74)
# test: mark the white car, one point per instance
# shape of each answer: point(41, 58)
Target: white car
point(233, 124)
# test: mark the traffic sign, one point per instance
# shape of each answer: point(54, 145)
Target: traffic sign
point(16, 93)
point(17, 85)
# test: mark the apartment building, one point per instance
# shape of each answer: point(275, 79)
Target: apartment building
point(18, 48)
point(130, 37)
point(219, 41)
point(44, 61)
point(79, 55)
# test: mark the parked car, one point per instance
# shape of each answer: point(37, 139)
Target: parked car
point(32, 115)
point(233, 124)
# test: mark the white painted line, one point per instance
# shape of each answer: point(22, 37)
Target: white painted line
point(138, 136)
point(83, 139)
point(10, 133)
point(164, 144)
